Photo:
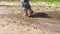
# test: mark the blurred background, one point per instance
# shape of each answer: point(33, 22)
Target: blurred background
point(45, 20)
point(36, 0)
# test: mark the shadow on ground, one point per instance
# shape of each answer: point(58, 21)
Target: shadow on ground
point(40, 15)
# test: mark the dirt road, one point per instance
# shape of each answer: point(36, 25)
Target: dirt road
point(12, 22)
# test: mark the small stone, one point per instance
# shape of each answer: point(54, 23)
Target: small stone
point(28, 29)
point(14, 21)
point(2, 25)
point(35, 27)
point(12, 29)
point(27, 24)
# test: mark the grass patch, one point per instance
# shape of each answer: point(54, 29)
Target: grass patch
point(45, 1)
point(52, 1)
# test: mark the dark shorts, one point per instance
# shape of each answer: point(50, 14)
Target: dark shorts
point(26, 5)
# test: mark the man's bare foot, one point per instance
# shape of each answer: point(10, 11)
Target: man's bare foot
point(28, 13)
point(24, 14)
point(31, 13)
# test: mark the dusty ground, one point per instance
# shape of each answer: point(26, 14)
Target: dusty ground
point(41, 22)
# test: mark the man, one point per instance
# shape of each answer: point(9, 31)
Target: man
point(27, 7)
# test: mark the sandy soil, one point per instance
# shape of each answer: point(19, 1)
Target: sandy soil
point(41, 22)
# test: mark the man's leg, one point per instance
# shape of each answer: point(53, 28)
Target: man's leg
point(27, 9)
point(25, 13)
point(30, 12)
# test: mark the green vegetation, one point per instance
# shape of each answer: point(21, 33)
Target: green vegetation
point(45, 0)
point(36, 0)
